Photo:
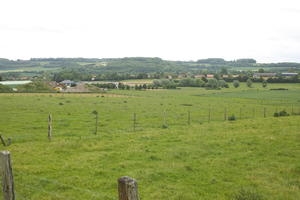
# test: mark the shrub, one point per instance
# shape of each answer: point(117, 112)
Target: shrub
point(281, 114)
point(249, 83)
point(231, 118)
point(236, 84)
point(212, 83)
point(164, 126)
point(264, 83)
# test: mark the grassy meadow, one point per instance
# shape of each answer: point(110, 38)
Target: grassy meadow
point(172, 154)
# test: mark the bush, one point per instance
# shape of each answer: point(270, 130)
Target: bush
point(236, 84)
point(249, 83)
point(264, 83)
point(164, 126)
point(231, 118)
point(281, 114)
point(212, 83)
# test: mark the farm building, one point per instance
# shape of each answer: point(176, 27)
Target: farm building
point(199, 76)
point(68, 83)
point(210, 76)
point(264, 75)
point(289, 74)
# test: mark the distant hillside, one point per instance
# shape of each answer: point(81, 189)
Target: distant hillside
point(134, 65)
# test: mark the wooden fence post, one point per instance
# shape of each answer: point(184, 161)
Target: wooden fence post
point(134, 121)
point(49, 127)
point(2, 140)
point(96, 129)
point(240, 113)
point(7, 176)
point(127, 188)
point(165, 119)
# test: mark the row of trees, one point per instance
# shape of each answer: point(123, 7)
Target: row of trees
point(173, 84)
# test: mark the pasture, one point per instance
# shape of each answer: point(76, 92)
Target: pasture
point(182, 147)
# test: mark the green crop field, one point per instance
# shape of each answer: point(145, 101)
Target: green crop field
point(182, 147)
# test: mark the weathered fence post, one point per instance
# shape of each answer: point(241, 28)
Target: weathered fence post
point(49, 127)
point(96, 129)
point(7, 176)
point(189, 117)
point(128, 188)
point(165, 119)
point(240, 113)
point(134, 121)
point(2, 140)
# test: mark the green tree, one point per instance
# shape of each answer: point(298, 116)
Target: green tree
point(212, 83)
point(264, 83)
point(224, 70)
point(236, 84)
point(261, 70)
point(249, 83)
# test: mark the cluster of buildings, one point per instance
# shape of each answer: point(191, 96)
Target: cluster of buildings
point(62, 85)
point(255, 75)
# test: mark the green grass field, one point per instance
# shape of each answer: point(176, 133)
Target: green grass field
point(255, 157)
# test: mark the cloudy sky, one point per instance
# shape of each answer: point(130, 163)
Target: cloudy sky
point(267, 30)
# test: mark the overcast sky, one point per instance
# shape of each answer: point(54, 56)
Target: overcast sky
point(267, 30)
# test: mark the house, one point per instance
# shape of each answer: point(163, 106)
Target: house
point(210, 76)
point(225, 76)
point(199, 76)
point(289, 74)
point(68, 83)
point(264, 75)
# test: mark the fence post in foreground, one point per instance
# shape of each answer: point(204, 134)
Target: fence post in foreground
point(128, 188)
point(7, 176)
point(49, 127)
point(134, 121)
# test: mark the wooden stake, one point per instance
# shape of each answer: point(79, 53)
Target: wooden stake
point(2, 140)
point(96, 130)
point(165, 118)
point(7, 176)
point(134, 121)
point(127, 188)
point(240, 113)
point(49, 127)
